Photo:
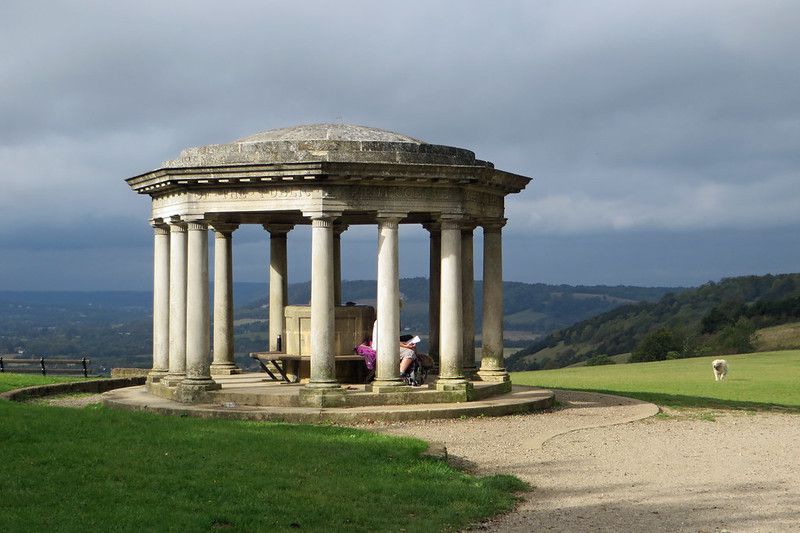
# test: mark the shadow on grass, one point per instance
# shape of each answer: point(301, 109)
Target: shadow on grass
point(678, 400)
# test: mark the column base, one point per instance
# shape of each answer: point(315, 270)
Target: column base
point(154, 376)
point(224, 369)
point(193, 390)
point(322, 396)
point(172, 380)
point(459, 384)
point(470, 372)
point(392, 385)
point(498, 374)
point(323, 385)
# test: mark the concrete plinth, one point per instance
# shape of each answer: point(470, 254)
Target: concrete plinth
point(251, 397)
point(172, 380)
point(493, 375)
point(224, 369)
point(195, 390)
point(464, 388)
point(322, 397)
point(391, 387)
point(155, 376)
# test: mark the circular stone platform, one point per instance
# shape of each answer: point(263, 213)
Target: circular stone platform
point(250, 397)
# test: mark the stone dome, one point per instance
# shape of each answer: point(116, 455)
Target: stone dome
point(324, 142)
point(330, 132)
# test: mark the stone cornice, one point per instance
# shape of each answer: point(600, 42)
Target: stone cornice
point(275, 175)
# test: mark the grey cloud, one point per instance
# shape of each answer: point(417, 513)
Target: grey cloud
point(631, 116)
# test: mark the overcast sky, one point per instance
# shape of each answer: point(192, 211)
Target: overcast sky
point(663, 137)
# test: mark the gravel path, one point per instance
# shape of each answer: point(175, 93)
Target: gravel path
point(71, 400)
point(594, 469)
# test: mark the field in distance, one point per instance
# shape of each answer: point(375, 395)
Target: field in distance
point(755, 381)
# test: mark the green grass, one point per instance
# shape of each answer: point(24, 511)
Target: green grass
point(99, 469)
point(782, 337)
point(9, 381)
point(755, 381)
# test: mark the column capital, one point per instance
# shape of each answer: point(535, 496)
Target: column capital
point(197, 225)
point(223, 228)
point(159, 227)
point(468, 226)
point(322, 222)
point(322, 215)
point(451, 221)
point(432, 227)
point(277, 229)
point(389, 220)
point(492, 224)
point(176, 225)
point(391, 215)
point(339, 228)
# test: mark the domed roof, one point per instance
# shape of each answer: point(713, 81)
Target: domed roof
point(344, 143)
point(330, 132)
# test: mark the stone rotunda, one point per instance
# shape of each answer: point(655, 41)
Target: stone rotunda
point(330, 176)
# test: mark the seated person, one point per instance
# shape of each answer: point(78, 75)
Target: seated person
point(408, 354)
point(408, 351)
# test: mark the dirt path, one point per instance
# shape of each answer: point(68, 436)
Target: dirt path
point(596, 470)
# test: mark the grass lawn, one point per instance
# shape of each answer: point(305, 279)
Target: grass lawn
point(9, 381)
point(755, 381)
point(99, 469)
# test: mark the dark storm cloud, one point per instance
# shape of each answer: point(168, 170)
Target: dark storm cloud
point(632, 116)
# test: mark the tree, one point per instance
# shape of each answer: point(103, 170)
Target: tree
point(655, 345)
point(735, 338)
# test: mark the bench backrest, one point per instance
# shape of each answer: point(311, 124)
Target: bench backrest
point(46, 365)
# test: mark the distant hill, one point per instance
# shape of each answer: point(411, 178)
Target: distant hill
point(530, 310)
point(113, 326)
point(713, 318)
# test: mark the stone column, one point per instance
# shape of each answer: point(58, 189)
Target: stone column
point(177, 302)
point(451, 322)
point(338, 229)
point(223, 363)
point(198, 341)
point(434, 289)
point(160, 301)
point(278, 284)
point(387, 370)
point(323, 364)
point(492, 363)
point(468, 296)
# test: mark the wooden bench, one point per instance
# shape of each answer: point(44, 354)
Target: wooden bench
point(46, 365)
point(279, 361)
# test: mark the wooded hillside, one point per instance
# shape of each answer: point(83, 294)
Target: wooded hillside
point(713, 318)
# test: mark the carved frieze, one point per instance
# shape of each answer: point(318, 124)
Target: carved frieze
point(367, 196)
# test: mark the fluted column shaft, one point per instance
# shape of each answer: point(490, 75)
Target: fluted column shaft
point(223, 362)
point(434, 289)
point(388, 365)
point(278, 283)
point(198, 341)
point(451, 322)
point(323, 338)
point(492, 363)
point(468, 296)
point(160, 301)
point(177, 302)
